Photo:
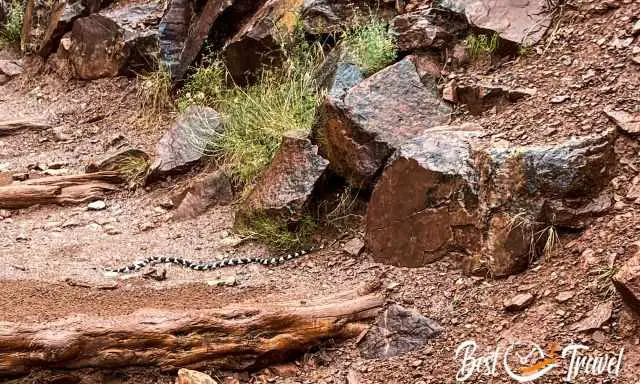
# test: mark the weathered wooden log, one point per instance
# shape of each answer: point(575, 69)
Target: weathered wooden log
point(238, 337)
point(112, 177)
point(12, 127)
point(73, 189)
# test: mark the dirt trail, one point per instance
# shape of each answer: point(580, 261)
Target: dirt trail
point(42, 247)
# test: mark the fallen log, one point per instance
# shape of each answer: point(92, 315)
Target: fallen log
point(73, 189)
point(239, 337)
point(111, 177)
point(12, 127)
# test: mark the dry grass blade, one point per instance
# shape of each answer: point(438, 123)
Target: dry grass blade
point(154, 93)
point(134, 170)
point(604, 282)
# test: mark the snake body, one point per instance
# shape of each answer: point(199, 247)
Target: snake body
point(211, 265)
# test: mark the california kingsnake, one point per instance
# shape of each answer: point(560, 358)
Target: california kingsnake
point(207, 266)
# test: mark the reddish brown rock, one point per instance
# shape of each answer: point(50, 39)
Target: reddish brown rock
point(140, 22)
point(11, 68)
point(450, 191)
point(424, 204)
point(519, 22)
point(360, 130)
point(257, 44)
point(627, 121)
point(201, 194)
point(198, 32)
point(480, 97)
point(519, 302)
point(188, 376)
point(397, 330)
point(122, 39)
point(627, 283)
point(330, 16)
point(185, 142)
point(97, 48)
point(596, 318)
point(287, 187)
point(427, 28)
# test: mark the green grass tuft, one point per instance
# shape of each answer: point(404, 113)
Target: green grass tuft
point(154, 92)
point(207, 86)
point(134, 169)
point(255, 118)
point(11, 33)
point(370, 45)
point(479, 46)
point(276, 234)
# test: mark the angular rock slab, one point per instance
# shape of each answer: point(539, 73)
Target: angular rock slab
point(11, 67)
point(397, 330)
point(188, 376)
point(97, 48)
point(45, 21)
point(627, 283)
point(140, 22)
point(287, 187)
point(257, 44)
point(174, 30)
point(627, 121)
point(338, 73)
point(426, 202)
point(520, 22)
point(427, 28)
point(447, 191)
point(201, 194)
point(330, 16)
point(115, 41)
point(198, 31)
point(186, 141)
point(360, 130)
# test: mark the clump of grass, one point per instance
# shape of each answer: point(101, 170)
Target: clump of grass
point(154, 92)
point(134, 170)
point(207, 86)
point(255, 118)
point(604, 282)
point(551, 240)
point(11, 33)
point(278, 235)
point(524, 50)
point(370, 45)
point(480, 46)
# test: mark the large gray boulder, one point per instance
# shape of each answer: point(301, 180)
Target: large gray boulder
point(448, 190)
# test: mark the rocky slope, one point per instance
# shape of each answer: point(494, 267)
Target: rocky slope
point(502, 190)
